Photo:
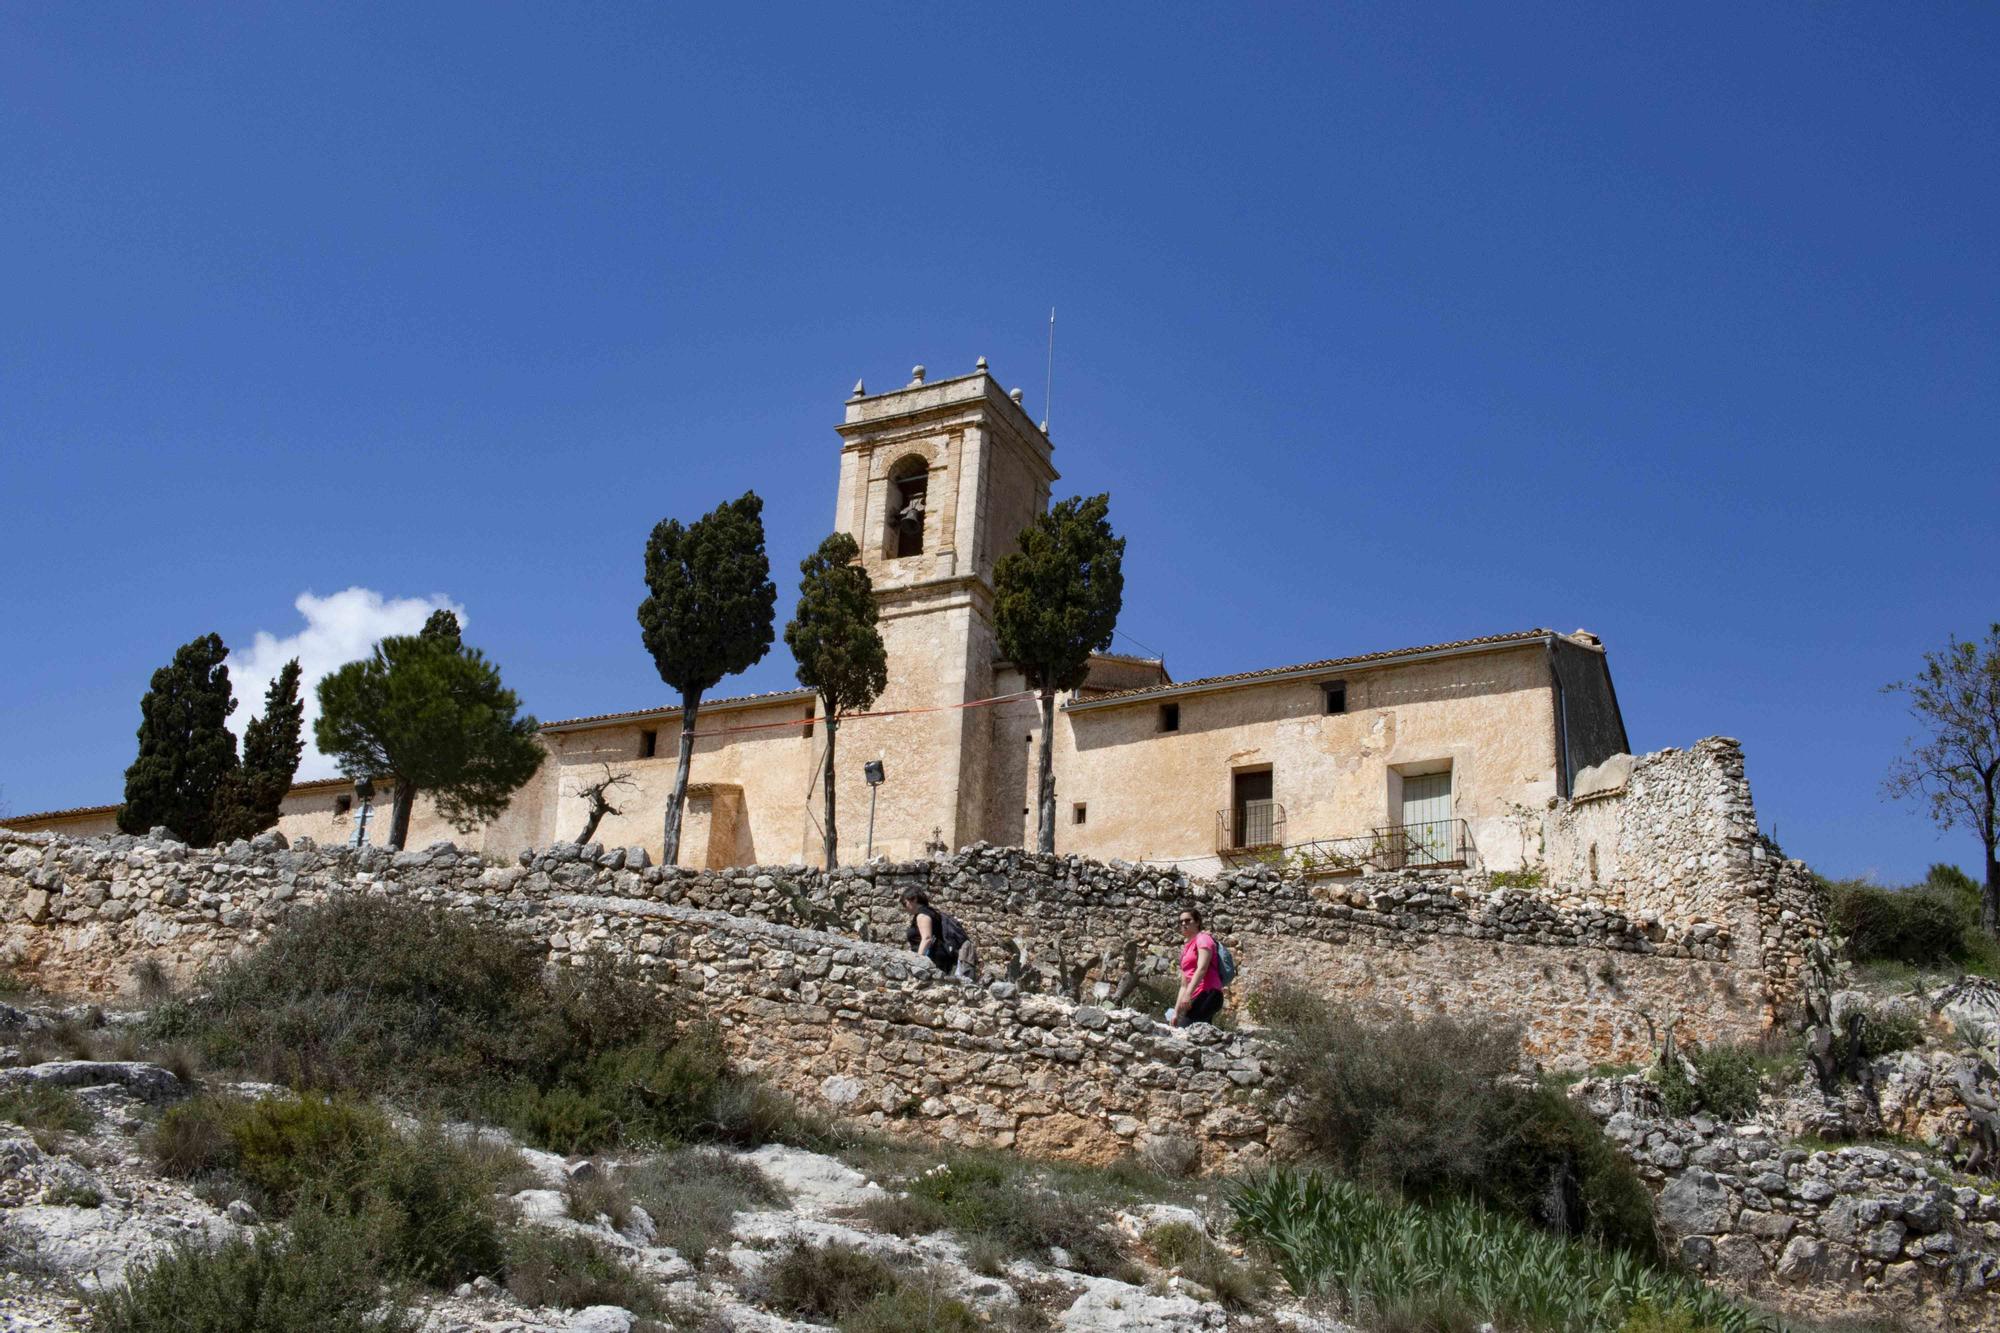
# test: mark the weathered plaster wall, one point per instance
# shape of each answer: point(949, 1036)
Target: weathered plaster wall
point(1486, 717)
point(859, 1027)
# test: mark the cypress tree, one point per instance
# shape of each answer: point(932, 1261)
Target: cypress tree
point(186, 754)
point(250, 801)
point(707, 614)
point(431, 714)
point(838, 648)
point(1055, 602)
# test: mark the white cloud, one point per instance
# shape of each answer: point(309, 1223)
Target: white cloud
point(339, 629)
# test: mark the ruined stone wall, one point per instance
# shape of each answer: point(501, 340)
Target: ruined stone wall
point(1581, 981)
point(857, 1027)
point(1819, 1233)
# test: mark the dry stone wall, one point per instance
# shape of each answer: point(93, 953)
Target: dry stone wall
point(858, 1027)
point(1816, 1232)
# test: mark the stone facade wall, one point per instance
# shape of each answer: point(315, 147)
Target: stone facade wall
point(858, 1027)
point(1816, 1233)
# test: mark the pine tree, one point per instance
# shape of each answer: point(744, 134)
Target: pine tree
point(1955, 770)
point(431, 714)
point(250, 801)
point(186, 754)
point(707, 614)
point(838, 648)
point(1055, 602)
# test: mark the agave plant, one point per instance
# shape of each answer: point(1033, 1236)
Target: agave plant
point(1331, 1238)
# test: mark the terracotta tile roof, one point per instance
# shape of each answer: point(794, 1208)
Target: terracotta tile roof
point(1305, 668)
point(673, 710)
point(70, 813)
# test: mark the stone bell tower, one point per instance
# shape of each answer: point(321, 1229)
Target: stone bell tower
point(937, 479)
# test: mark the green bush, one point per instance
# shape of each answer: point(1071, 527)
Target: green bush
point(1885, 1029)
point(824, 1282)
point(1421, 1107)
point(1368, 1256)
point(1727, 1083)
point(381, 996)
point(693, 1196)
point(1924, 926)
point(425, 1199)
point(324, 1276)
point(571, 1272)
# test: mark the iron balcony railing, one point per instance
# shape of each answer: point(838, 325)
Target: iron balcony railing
point(1432, 844)
point(1249, 827)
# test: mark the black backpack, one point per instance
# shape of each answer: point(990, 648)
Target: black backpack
point(951, 934)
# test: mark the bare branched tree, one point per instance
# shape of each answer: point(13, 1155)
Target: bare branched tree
point(1955, 769)
point(597, 796)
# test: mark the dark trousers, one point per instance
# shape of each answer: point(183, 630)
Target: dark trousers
point(1203, 1008)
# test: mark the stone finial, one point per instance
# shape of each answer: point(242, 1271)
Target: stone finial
point(860, 390)
point(916, 375)
point(1015, 394)
point(980, 365)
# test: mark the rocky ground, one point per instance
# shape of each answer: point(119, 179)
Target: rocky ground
point(83, 1206)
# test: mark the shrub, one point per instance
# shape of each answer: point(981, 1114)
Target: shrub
point(1885, 1029)
point(425, 1200)
point(569, 1271)
point(380, 995)
point(824, 1282)
point(194, 1138)
point(1420, 1107)
point(1925, 926)
point(1367, 1255)
point(324, 1275)
point(1727, 1082)
point(45, 1111)
point(1517, 879)
point(693, 1197)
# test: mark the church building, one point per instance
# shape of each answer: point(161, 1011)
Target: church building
point(1406, 756)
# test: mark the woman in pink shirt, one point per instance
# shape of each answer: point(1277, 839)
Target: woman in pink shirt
point(1201, 976)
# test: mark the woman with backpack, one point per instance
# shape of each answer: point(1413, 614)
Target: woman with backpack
point(933, 934)
point(1200, 999)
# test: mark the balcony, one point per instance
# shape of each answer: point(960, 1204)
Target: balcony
point(1252, 826)
point(1436, 844)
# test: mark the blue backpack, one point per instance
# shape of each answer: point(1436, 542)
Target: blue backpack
point(1225, 963)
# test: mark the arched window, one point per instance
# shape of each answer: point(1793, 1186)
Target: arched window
point(908, 480)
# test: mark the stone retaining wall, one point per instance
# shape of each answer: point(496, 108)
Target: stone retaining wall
point(1819, 1233)
point(860, 1028)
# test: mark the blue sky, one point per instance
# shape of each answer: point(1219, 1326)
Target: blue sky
point(1382, 324)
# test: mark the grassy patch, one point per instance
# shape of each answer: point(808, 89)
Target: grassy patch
point(824, 1282)
point(550, 1268)
point(1011, 1208)
point(45, 1112)
point(919, 1305)
point(599, 1194)
point(1456, 1264)
point(322, 1275)
point(1183, 1246)
point(693, 1197)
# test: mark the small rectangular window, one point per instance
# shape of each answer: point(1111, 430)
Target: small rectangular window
point(1079, 812)
point(1336, 696)
point(809, 721)
point(341, 805)
point(649, 744)
point(1170, 717)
